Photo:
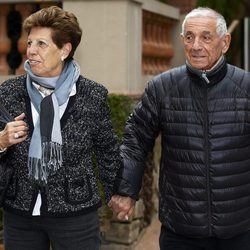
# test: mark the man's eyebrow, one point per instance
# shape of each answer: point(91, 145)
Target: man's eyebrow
point(203, 33)
point(189, 32)
point(206, 32)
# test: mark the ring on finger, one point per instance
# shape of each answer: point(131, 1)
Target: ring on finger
point(16, 135)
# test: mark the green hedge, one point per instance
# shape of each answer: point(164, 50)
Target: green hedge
point(121, 106)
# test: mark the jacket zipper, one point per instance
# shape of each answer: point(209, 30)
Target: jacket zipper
point(207, 154)
point(204, 76)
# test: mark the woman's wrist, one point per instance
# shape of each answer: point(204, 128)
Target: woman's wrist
point(2, 148)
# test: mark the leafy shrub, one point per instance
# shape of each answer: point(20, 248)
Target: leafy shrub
point(121, 106)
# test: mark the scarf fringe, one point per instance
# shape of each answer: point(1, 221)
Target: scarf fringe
point(50, 162)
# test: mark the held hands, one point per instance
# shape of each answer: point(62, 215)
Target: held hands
point(14, 132)
point(122, 206)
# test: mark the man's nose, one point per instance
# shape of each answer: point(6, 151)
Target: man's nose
point(197, 44)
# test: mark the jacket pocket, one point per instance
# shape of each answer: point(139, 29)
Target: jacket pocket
point(11, 191)
point(78, 190)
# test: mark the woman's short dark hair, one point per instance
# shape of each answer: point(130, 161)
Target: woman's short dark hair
point(64, 25)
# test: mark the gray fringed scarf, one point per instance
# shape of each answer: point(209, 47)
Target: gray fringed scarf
point(45, 147)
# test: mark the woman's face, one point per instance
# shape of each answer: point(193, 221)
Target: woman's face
point(44, 56)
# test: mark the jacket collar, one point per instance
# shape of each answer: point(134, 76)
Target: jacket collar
point(209, 77)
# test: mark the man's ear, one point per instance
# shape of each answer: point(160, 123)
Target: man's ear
point(182, 37)
point(67, 47)
point(226, 42)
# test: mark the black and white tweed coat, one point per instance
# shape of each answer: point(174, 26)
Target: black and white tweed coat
point(87, 134)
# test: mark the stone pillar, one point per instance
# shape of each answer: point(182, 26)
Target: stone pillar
point(157, 43)
point(110, 51)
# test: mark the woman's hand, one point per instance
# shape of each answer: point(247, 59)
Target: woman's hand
point(14, 132)
point(122, 207)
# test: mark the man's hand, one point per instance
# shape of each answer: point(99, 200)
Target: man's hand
point(122, 206)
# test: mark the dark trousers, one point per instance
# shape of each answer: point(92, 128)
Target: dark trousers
point(172, 241)
point(39, 233)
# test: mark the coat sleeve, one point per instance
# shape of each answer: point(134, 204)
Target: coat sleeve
point(106, 147)
point(140, 133)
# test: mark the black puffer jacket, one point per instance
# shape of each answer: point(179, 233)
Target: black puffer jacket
point(205, 165)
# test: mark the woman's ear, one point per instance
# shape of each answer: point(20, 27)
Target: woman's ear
point(67, 47)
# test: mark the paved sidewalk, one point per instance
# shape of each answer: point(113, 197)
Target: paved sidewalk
point(150, 239)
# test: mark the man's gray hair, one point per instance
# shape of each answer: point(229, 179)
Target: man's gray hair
point(207, 12)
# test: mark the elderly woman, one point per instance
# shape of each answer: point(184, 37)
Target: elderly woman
point(61, 124)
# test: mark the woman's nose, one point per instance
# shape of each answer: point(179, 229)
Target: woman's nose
point(32, 49)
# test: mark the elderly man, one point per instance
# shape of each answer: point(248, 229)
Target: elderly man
point(202, 110)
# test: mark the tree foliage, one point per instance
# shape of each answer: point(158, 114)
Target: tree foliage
point(230, 9)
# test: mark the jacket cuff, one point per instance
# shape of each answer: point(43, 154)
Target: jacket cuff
point(124, 188)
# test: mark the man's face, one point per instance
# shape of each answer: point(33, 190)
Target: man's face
point(202, 45)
